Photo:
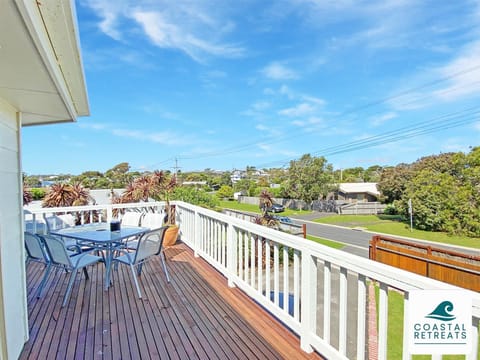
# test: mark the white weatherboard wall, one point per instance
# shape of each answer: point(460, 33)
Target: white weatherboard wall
point(13, 304)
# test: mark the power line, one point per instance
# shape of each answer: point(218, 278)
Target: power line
point(401, 94)
point(443, 122)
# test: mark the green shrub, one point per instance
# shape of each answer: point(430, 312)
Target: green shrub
point(38, 193)
point(390, 210)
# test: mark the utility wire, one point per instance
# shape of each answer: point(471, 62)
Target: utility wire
point(440, 123)
point(389, 136)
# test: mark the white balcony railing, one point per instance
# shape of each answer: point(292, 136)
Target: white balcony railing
point(318, 292)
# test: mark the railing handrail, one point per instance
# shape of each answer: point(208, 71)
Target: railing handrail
point(372, 269)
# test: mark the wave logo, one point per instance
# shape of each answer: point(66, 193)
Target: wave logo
point(442, 312)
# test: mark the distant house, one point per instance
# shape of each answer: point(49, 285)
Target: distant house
point(237, 175)
point(194, 183)
point(104, 196)
point(358, 192)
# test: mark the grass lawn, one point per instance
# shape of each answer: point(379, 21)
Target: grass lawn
point(395, 329)
point(386, 225)
point(235, 205)
point(254, 208)
point(329, 243)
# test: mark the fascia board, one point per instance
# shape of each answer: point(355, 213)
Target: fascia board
point(35, 24)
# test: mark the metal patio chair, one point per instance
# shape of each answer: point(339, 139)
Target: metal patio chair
point(36, 251)
point(60, 257)
point(131, 218)
point(150, 244)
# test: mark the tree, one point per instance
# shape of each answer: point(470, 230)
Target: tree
point(225, 192)
point(244, 185)
point(393, 181)
point(444, 190)
point(195, 196)
point(373, 173)
point(309, 179)
point(356, 174)
point(119, 176)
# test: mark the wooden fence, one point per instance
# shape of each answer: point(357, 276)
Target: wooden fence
point(448, 266)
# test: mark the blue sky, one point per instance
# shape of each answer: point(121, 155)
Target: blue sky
point(224, 84)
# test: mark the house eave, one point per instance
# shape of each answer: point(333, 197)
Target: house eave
point(40, 41)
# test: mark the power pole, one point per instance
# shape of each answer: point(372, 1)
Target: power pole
point(176, 168)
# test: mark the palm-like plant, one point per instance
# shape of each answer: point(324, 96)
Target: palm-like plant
point(157, 186)
point(63, 195)
point(59, 195)
point(265, 202)
point(27, 196)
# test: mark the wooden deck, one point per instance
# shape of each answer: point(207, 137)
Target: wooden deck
point(195, 316)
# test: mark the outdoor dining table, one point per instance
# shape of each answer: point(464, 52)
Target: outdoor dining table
point(102, 238)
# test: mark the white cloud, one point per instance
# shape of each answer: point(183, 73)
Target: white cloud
point(311, 125)
point(166, 34)
point(109, 12)
point(314, 100)
point(464, 72)
point(88, 124)
point(381, 119)
point(298, 111)
point(455, 145)
point(261, 105)
point(277, 71)
point(164, 137)
point(189, 27)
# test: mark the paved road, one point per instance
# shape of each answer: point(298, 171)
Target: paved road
point(357, 240)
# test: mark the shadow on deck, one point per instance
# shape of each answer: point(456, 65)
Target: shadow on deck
point(195, 316)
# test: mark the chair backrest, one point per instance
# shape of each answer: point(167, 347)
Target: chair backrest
point(57, 251)
point(152, 220)
point(34, 247)
point(131, 218)
point(149, 244)
point(55, 222)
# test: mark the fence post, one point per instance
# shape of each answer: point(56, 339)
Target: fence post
point(304, 229)
point(373, 247)
point(429, 260)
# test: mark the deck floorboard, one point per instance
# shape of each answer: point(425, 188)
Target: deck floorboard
point(195, 316)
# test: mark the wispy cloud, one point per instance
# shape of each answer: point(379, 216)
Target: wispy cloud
point(166, 34)
point(212, 78)
point(311, 125)
point(87, 124)
point(278, 71)
point(298, 111)
point(163, 137)
point(382, 119)
point(185, 26)
point(158, 137)
point(463, 72)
